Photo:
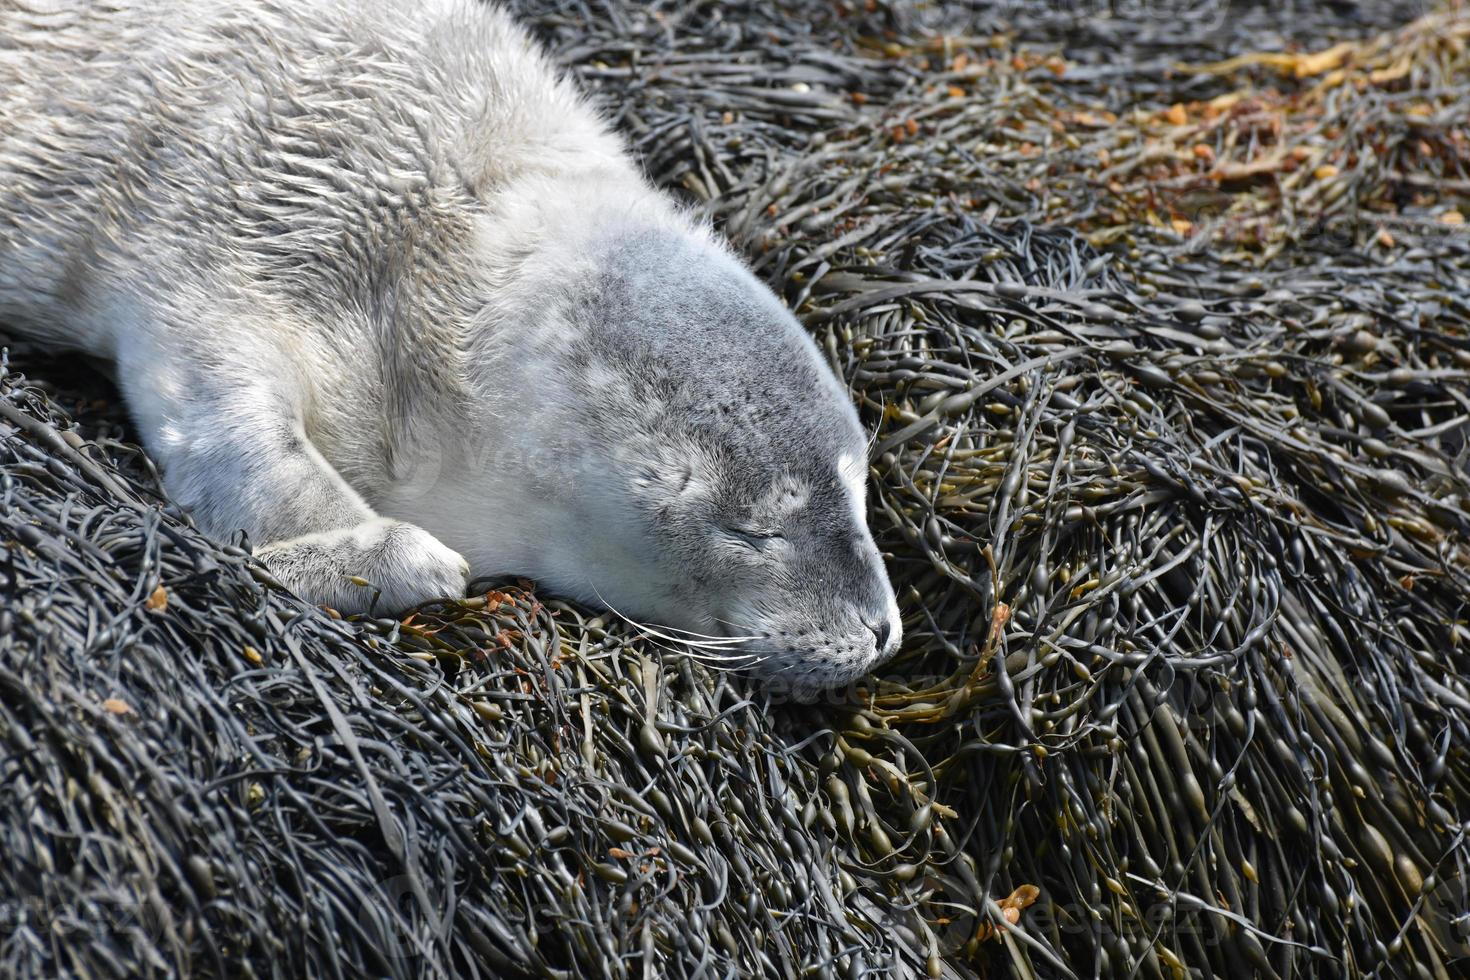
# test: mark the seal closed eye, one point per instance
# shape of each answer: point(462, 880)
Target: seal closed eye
point(381, 290)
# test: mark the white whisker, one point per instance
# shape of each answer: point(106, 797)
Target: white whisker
point(712, 649)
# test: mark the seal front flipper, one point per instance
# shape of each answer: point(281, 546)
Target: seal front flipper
point(238, 458)
point(408, 564)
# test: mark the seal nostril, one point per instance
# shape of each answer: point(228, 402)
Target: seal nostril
point(881, 632)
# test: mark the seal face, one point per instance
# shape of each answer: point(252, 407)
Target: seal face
point(384, 293)
point(724, 465)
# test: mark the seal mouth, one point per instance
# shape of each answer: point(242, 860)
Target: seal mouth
point(802, 688)
point(803, 666)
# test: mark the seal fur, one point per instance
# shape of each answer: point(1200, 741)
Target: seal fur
point(381, 290)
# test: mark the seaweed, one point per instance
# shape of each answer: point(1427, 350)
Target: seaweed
point(1158, 314)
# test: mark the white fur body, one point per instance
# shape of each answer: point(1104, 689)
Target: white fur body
point(335, 251)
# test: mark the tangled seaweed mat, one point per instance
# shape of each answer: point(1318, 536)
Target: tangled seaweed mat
point(1179, 529)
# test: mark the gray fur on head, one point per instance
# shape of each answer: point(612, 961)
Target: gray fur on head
point(382, 291)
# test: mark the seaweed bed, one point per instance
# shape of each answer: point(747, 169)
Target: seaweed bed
point(1161, 315)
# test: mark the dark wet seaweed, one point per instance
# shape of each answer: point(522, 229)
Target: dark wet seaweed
point(1170, 460)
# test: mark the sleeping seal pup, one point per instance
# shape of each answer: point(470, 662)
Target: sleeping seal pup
point(381, 290)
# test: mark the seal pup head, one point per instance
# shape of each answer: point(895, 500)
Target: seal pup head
point(710, 469)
